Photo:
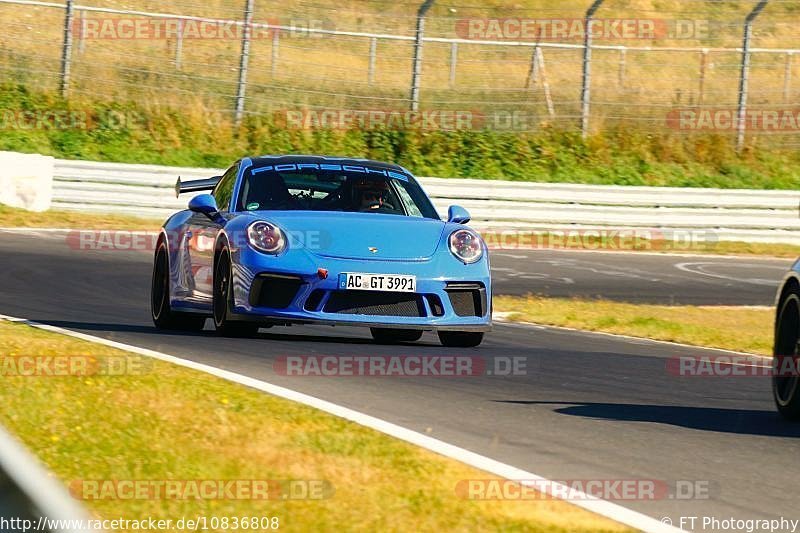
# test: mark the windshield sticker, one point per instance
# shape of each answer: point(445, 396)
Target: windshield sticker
point(340, 168)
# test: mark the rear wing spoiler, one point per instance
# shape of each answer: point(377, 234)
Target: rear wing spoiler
point(196, 185)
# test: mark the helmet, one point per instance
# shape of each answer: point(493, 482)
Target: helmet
point(364, 184)
point(369, 190)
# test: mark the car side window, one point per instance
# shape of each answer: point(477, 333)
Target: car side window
point(411, 207)
point(224, 189)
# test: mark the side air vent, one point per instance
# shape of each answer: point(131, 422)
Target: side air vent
point(467, 299)
point(274, 291)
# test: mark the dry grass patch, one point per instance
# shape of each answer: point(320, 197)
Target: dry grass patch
point(11, 217)
point(747, 329)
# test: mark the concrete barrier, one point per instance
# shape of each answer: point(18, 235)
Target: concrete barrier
point(26, 180)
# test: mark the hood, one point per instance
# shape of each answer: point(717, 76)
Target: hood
point(352, 235)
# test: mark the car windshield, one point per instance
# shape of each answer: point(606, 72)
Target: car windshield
point(312, 187)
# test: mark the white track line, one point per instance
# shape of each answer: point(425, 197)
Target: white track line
point(605, 508)
point(697, 269)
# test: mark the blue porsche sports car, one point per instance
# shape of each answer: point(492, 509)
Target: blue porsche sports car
point(287, 240)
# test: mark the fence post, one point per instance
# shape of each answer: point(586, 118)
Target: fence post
point(453, 63)
point(66, 51)
point(533, 72)
point(82, 32)
point(587, 67)
point(787, 77)
point(548, 98)
point(373, 51)
point(416, 72)
point(179, 46)
point(276, 43)
point(702, 83)
point(244, 61)
point(745, 75)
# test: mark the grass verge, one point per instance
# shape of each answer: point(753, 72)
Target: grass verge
point(743, 329)
point(11, 217)
point(742, 248)
point(197, 136)
point(167, 422)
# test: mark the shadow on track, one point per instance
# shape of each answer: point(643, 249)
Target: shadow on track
point(739, 421)
point(264, 334)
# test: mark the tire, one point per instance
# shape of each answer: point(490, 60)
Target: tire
point(223, 300)
point(786, 389)
point(164, 317)
point(394, 336)
point(460, 339)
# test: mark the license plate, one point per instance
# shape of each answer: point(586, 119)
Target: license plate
point(378, 282)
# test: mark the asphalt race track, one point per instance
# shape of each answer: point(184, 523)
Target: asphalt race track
point(640, 278)
point(589, 407)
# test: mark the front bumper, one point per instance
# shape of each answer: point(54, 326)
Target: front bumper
point(450, 296)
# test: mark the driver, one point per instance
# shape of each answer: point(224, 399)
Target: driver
point(371, 194)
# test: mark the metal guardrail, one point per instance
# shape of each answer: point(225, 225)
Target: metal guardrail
point(31, 496)
point(740, 215)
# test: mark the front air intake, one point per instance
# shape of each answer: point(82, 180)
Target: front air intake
point(274, 291)
point(375, 303)
point(467, 299)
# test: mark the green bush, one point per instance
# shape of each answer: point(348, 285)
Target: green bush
point(149, 133)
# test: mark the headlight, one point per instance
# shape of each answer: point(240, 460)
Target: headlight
point(266, 237)
point(466, 245)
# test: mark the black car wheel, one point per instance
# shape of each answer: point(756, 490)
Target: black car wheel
point(460, 339)
point(223, 300)
point(393, 336)
point(785, 381)
point(164, 317)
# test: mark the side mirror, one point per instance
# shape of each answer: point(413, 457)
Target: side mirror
point(458, 215)
point(205, 204)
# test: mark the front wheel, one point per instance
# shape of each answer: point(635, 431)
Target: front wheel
point(460, 339)
point(223, 298)
point(785, 388)
point(393, 336)
point(164, 317)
